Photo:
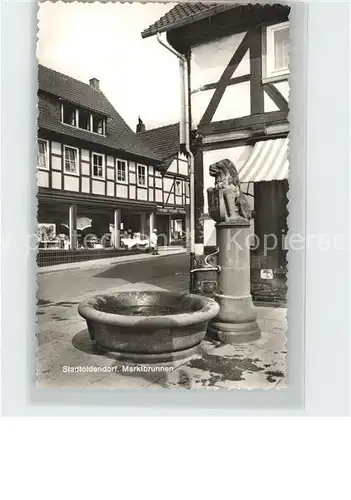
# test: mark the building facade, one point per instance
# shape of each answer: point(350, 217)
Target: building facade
point(238, 68)
point(99, 185)
point(173, 215)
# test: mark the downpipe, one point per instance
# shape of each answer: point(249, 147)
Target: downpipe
point(184, 139)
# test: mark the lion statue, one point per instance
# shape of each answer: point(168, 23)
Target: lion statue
point(226, 201)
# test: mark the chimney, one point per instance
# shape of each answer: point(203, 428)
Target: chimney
point(140, 127)
point(95, 83)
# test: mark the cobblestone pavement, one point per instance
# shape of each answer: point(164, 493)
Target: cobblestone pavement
point(66, 356)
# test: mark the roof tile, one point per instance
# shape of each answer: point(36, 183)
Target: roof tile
point(164, 141)
point(119, 135)
point(184, 13)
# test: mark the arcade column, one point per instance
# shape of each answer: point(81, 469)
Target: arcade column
point(117, 227)
point(73, 227)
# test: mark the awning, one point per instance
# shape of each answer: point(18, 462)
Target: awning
point(268, 162)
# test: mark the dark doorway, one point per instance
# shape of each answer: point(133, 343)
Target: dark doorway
point(162, 226)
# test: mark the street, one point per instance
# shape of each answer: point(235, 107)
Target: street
point(169, 272)
point(64, 344)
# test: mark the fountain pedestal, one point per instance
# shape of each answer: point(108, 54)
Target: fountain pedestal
point(236, 321)
point(228, 206)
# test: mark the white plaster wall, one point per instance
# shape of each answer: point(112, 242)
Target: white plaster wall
point(158, 195)
point(142, 194)
point(85, 185)
point(110, 162)
point(209, 60)
point(183, 167)
point(132, 193)
point(173, 167)
point(132, 177)
point(151, 170)
point(199, 103)
point(158, 182)
point(122, 190)
point(71, 183)
point(283, 88)
point(171, 199)
point(56, 180)
point(132, 166)
point(110, 173)
point(56, 162)
point(167, 183)
point(56, 148)
point(43, 178)
point(85, 155)
point(151, 194)
point(235, 102)
point(269, 105)
point(98, 187)
point(110, 188)
point(85, 168)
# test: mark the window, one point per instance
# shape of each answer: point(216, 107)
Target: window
point(121, 171)
point(69, 114)
point(98, 166)
point(178, 187)
point(98, 124)
point(277, 50)
point(141, 175)
point(71, 160)
point(42, 155)
point(84, 119)
point(187, 191)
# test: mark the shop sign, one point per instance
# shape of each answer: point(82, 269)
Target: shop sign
point(170, 210)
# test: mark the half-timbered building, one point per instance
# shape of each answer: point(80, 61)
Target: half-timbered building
point(237, 88)
point(172, 214)
point(96, 177)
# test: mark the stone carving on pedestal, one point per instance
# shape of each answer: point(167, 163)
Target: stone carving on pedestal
point(226, 201)
point(229, 208)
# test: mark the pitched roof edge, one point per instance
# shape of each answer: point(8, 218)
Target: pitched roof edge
point(152, 30)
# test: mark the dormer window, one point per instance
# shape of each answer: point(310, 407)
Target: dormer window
point(98, 124)
point(83, 119)
point(277, 50)
point(69, 115)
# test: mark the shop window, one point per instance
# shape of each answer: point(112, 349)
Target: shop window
point(121, 171)
point(42, 155)
point(141, 175)
point(98, 166)
point(71, 160)
point(277, 50)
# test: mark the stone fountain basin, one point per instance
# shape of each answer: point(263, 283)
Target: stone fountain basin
point(148, 326)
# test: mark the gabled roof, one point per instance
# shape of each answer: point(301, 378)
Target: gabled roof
point(185, 13)
point(119, 135)
point(164, 141)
